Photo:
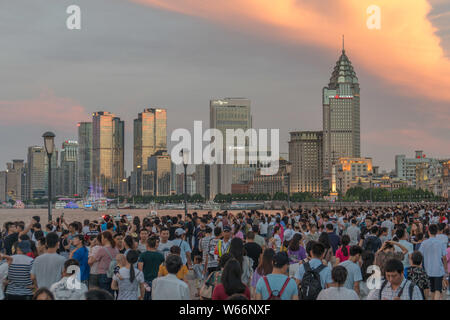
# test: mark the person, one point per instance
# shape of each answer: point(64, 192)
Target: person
point(93, 263)
point(199, 269)
point(277, 283)
point(81, 254)
point(223, 245)
point(259, 239)
point(47, 268)
point(104, 256)
point(149, 263)
point(43, 294)
point(315, 264)
point(337, 290)
point(402, 235)
point(417, 275)
point(170, 287)
point(253, 249)
point(354, 275)
point(215, 277)
point(372, 242)
point(334, 239)
point(143, 236)
point(342, 254)
point(4, 265)
point(387, 252)
point(211, 259)
point(389, 225)
point(182, 273)
point(276, 240)
point(19, 272)
point(395, 286)
point(296, 252)
point(237, 251)
point(434, 259)
point(69, 287)
point(164, 243)
point(11, 238)
point(368, 259)
point(264, 268)
point(312, 235)
point(128, 280)
point(231, 282)
point(353, 232)
point(184, 247)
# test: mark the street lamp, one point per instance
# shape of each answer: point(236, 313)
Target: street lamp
point(288, 173)
point(186, 158)
point(370, 175)
point(49, 143)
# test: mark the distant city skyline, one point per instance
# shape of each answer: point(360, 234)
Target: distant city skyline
point(54, 78)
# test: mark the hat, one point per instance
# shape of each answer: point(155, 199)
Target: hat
point(280, 259)
point(226, 229)
point(25, 246)
point(179, 232)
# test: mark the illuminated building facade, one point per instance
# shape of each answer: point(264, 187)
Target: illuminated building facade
point(107, 152)
point(341, 117)
point(350, 169)
point(84, 157)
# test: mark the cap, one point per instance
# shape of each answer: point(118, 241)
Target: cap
point(280, 259)
point(226, 229)
point(25, 246)
point(179, 232)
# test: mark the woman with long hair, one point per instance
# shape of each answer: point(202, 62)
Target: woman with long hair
point(337, 291)
point(129, 244)
point(264, 268)
point(231, 282)
point(328, 257)
point(104, 256)
point(128, 280)
point(237, 251)
point(343, 253)
point(296, 252)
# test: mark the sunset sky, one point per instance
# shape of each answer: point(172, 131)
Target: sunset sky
point(179, 54)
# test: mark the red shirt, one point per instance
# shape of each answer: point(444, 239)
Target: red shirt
point(340, 254)
point(220, 294)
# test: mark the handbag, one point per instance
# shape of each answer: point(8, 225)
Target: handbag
point(207, 289)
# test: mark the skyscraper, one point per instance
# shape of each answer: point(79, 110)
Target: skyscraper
point(305, 154)
point(341, 116)
point(230, 113)
point(84, 157)
point(107, 152)
point(150, 136)
point(36, 172)
point(69, 159)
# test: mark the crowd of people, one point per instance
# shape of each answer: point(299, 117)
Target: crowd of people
point(395, 253)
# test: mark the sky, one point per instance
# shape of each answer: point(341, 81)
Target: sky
point(179, 54)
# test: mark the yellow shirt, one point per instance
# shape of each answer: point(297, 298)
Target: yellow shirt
point(180, 275)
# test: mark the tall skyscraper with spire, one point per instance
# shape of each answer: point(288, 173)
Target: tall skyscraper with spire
point(341, 116)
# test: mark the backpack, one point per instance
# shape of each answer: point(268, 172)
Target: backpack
point(112, 265)
point(410, 290)
point(311, 285)
point(278, 296)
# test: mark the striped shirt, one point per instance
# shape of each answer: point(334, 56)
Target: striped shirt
point(19, 276)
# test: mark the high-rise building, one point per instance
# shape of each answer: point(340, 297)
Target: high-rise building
point(230, 113)
point(203, 180)
point(11, 181)
point(350, 169)
point(36, 178)
point(341, 116)
point(150, 136)
point(306, 157)
point(271, 184)
point(405, 168)
point(160, 165)
point(69, 159)
point(56, 174)
point(107, 152)
point(84, 157)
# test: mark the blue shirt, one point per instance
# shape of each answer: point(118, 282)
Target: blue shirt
point(325, 274)
point(81, 255)
point(184, 246)
point(276, 282)
point(433, 250)
point(353, 273)
point(103, 227)
point(335, 240)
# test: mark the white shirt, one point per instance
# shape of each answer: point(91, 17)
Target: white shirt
point(170, 288)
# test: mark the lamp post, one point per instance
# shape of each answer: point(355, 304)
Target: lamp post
point(49, 143)
point(185, 153)
point(370, 175)
point(288, 173)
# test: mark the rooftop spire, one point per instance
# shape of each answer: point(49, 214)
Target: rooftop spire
point(343, 46)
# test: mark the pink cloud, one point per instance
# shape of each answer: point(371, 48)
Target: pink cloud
point(46, 110)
